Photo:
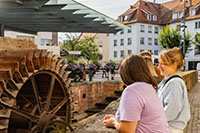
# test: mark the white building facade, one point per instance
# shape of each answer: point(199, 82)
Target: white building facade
point(145, 22)
point(140, 37)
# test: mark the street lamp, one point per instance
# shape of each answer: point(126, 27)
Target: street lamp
point(184, 30)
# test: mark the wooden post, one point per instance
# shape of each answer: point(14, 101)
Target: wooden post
point(2, 30)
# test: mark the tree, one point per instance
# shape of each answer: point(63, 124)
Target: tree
point(89, 49)
point(173, 38)
point(197, 42)
point(71, 44)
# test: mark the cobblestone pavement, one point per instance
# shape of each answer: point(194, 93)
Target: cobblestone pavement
point(194, 98)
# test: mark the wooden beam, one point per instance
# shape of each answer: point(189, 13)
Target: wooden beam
point(2, 30)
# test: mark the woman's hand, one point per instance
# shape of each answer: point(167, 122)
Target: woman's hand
point(109, 120)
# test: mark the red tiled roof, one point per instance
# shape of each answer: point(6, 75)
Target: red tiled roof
point(163, 11)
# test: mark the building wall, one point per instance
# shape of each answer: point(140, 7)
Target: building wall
point(136, 47)
point(103, 41)
point(36, 39)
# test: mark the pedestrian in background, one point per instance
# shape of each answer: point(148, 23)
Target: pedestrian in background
point(104, 72)
point(172, 90)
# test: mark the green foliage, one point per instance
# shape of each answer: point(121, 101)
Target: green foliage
point(90, 50)
point(197, 42)
point(170, 38)
point(87, 46)
point(72, 44)
point(173, 38)
point(111, 63)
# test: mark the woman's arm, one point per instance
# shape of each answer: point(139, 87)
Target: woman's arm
point(122, 126)
point(125, 126)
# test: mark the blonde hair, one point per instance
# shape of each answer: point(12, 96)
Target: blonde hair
point(170, 56)
point(134, 69)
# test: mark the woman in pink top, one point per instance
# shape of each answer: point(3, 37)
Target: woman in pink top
point(140, 109)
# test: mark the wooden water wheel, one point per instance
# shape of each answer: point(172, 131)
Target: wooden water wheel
point(34, 90)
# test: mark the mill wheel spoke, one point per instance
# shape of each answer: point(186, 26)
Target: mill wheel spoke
point(59, 106)
point(21, 113)
point(36, 94)
point(49, 95)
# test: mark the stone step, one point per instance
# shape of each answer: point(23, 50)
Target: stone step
point(118, 92)
point(93, 111)
point(111, 98)
point(102, 105)
point(79, 117)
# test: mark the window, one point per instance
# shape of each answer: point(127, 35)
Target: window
point(115, 53)
point(197, 25)
point(149, 17)
point(192, 12)
point(180, 14)
point(45, 42)
point(120, 18)
point(121, 42)
point(142, 40)
point(141, 28)
point(129, 41)
point(179, 27)
point(154, 18)
point(149, 41)
point(129, 30)
point(155, 52)
point(115, 42)
point(150, 51)
point(156, 30)
point(141, 50)
point(100, 44)
point(122, 32)
point(174, 16)
point(129, 52)
point(155, 41)
point(149, 29)
point(126, 17)
point(196, 52)
point(121, 53)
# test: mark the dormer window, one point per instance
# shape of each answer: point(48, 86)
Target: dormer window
point(149, 17)
point(126, 17)
point(192, 12)
point(154, 18)
point(180, 14)
point(174, 16)
point(121, 18)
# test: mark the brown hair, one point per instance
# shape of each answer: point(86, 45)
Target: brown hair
point(134, 69)
point(146, 54)
point(170, 56)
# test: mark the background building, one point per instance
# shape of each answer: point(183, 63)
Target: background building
point(43, 40)
point(146, 19)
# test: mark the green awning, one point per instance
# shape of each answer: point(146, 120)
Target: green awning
point(32, 16)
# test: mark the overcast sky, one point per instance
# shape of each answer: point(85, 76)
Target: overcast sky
point(112, 8)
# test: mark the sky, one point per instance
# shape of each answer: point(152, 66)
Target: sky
point(112, 8)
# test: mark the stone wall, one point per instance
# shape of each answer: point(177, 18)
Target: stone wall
point(190, 78)
point(87, 94)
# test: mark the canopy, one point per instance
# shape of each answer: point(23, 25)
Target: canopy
point(32, 16)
